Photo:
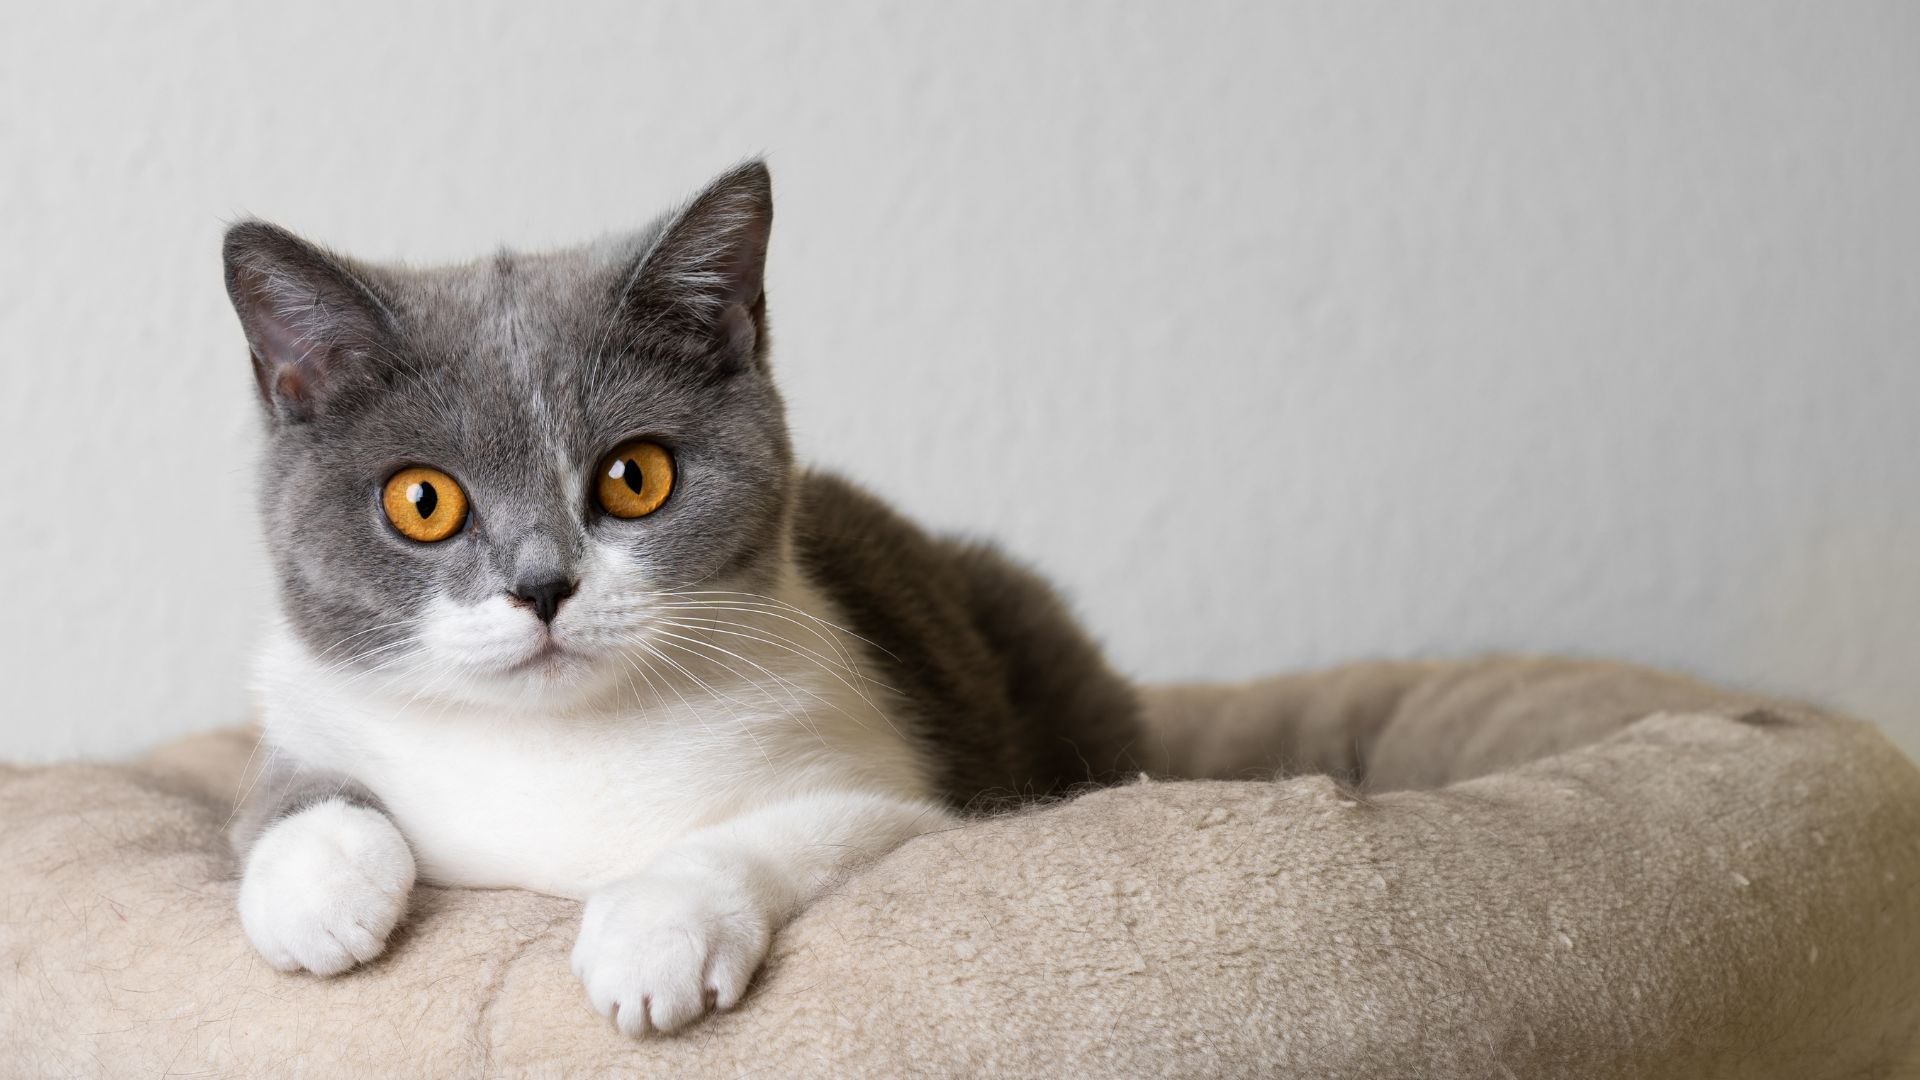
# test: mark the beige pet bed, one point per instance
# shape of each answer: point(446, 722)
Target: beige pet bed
point(1529, 869)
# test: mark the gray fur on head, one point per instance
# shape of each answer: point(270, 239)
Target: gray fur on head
point(514, 374)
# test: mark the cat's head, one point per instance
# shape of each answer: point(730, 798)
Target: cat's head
point(487, 480)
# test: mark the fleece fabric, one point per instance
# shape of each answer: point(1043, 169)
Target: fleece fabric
point(1505, 868)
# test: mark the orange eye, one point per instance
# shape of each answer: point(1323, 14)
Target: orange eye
point(424, 504)
point(635, 479)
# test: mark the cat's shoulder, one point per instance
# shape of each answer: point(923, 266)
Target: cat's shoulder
point(852, 542)
point(973, 637)
point(828, 502)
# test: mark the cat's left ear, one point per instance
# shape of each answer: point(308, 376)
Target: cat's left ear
point(700, 289)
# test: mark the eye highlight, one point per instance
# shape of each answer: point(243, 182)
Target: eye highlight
point(635, 479)
point(424, 504)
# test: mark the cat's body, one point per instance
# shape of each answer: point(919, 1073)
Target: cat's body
point(693, 700)
point(915, 681)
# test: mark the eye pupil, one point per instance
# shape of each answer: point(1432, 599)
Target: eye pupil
point(630, 475)
point(424, 498)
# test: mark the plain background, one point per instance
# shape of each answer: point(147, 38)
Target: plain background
point(1279, 334)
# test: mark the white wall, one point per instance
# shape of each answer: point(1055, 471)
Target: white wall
point(1279, 333)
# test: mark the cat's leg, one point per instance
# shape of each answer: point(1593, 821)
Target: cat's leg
point(325, 874)
point(659, 950)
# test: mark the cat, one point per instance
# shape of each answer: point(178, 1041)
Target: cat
point(558, 611)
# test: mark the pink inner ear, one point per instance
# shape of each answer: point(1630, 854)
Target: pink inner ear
point(737, 331)
point(278, 334)
point(291, 360)
point(295, 352)
point(305, 315)
point(290, 386)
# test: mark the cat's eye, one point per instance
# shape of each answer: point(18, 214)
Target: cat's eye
point(635, 479)
point(424, 504)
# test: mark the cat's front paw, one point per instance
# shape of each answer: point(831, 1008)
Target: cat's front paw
point(656, 952)
point(323, 888)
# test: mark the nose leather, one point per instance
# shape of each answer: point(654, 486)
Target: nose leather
point(543, 595)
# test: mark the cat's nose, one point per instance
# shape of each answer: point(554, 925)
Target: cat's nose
point(543, 595)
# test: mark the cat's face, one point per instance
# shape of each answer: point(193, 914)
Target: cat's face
point(489, 482)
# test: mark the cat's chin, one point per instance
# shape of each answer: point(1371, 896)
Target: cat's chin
point(552, 676)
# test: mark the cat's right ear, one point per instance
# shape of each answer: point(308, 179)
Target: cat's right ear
point(699, 291)
point(307, 317)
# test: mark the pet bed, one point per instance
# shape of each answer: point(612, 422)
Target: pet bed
point(1505, 868)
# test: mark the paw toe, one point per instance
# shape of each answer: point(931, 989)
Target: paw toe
point(632, 1020)
point(728, 976)
point(658, 955)
point(674, 1010)
point(359, 942)
point(325, 956)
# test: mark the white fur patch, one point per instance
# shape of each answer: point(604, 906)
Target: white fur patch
point(657, 951)
point(562, 782)
point(323, 888)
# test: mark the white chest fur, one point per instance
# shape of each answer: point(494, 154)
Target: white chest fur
point(562, 802)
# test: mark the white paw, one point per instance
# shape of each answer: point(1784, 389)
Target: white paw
point(657, 951)
point(323, 888)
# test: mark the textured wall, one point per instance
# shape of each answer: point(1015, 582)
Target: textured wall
point(1279, 333)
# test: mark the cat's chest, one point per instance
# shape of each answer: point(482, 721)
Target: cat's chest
point(556, 810)
point(565, 802)
point(563, 807)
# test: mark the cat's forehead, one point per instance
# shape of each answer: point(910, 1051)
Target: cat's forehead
point(508, 308)
point(513, 354)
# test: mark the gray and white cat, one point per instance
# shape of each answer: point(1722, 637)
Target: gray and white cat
point(559, 612)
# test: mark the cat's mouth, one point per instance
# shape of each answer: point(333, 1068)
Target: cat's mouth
point(549, 659)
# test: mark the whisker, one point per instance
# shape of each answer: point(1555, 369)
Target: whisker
point(721, 626)
point(384, 665)
point(363, 633)
point(273, 752)
point(344, 664)
point(702, 684)
point(835, 640)
point(797, 718)
point(769, 673)
point(840, 659)
point(763, 598)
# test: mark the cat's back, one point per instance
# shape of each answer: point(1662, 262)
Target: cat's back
point(1004, 689)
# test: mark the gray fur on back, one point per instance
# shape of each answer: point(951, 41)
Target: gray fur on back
point(1002, 681)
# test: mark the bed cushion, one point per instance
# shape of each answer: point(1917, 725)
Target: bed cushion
point(1508, 867)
